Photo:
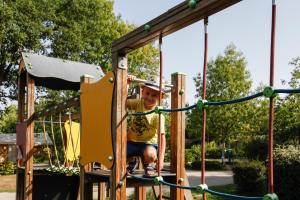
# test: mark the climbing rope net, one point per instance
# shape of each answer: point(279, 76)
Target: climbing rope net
point(70, 163)
point(203, 104)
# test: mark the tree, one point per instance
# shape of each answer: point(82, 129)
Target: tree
point(287, 120)
point(227, 78)
point(8, 120)
point(76, 30)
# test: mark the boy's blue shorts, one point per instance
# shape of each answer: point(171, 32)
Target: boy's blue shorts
point(137, 148)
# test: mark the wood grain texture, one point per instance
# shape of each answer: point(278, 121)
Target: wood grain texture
point(174, 19)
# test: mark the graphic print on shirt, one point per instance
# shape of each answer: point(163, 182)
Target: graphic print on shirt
point(139, 125)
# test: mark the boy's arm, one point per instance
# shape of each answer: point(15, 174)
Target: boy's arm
point(163, 141)
point(163, 149)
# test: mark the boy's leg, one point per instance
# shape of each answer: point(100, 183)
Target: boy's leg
point(149, 156)
point(133, 150)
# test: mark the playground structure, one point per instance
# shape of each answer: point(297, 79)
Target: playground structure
point(106, 143)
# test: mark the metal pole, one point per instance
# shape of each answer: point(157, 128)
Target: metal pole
point(271, 105)
point(203, 109)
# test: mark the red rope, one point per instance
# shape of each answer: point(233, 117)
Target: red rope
point(159, 103)
point(271, 105)
point(204, 110)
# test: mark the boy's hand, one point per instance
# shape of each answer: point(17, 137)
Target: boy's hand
point(130, 78)
point(161, 164)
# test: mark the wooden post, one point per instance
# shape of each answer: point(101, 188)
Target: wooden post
point(118, 177)
point(178, 133)
point(21, 116)
point(86, 189)
point(140, 192)
point(29, 139)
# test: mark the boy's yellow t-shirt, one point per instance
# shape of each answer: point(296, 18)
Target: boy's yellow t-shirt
point(143, 128)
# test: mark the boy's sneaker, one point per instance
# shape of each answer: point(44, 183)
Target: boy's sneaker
point(132, 164)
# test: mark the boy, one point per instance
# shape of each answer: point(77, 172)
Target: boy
point(142, 131)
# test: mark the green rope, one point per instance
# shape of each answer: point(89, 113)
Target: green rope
point(218, 103)
point(231, 196)
point(235, 100)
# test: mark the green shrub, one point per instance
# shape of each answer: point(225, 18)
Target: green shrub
point(193, 154)
point(210, 165)
point(257, 149)
point(250, 177)
point(287, 172)
point(7, 168)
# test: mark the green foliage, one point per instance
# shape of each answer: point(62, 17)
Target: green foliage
point(257, 149)
point(213, 151)
point(227, 78)
point(250, 177)
point(8, 120)
point(193, 154)
point(74, 30)
point(7, 168)
point(210, 165)
point(287, 172)
point(229, 189)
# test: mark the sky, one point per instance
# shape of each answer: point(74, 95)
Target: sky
point(246, 24)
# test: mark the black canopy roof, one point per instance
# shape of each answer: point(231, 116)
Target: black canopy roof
point(58, 74)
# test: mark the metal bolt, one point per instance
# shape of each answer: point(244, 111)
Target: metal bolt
point(110, 158)
point(181, 92)
point(180, 180)
point(111, 79)
point(121, 183)
point(147, 27)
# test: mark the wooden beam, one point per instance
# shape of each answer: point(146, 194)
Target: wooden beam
point(178, 133)
point(140, 193)
point(29, 139)
point(21, 116)
point(173, 20)
point(118, 177)
point(86, 188)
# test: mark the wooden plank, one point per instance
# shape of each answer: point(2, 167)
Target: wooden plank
point(74, 102)
point(140, 192)
point(29, 139)
point(174, 19)
point(86, 188)
point(118, 177)
point(178, 133)
point(21, 116)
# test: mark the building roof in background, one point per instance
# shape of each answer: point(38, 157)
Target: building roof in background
point(58, 74)
point(10, 138)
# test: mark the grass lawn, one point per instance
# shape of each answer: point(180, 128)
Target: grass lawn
point(8, 183)
point(230, 189)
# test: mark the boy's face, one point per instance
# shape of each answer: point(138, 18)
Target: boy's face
point(150, 97)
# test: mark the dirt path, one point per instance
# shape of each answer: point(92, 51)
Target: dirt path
point(7, 183)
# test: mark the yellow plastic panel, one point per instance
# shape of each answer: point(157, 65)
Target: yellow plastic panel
point(73, 140)
point(96, 108)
